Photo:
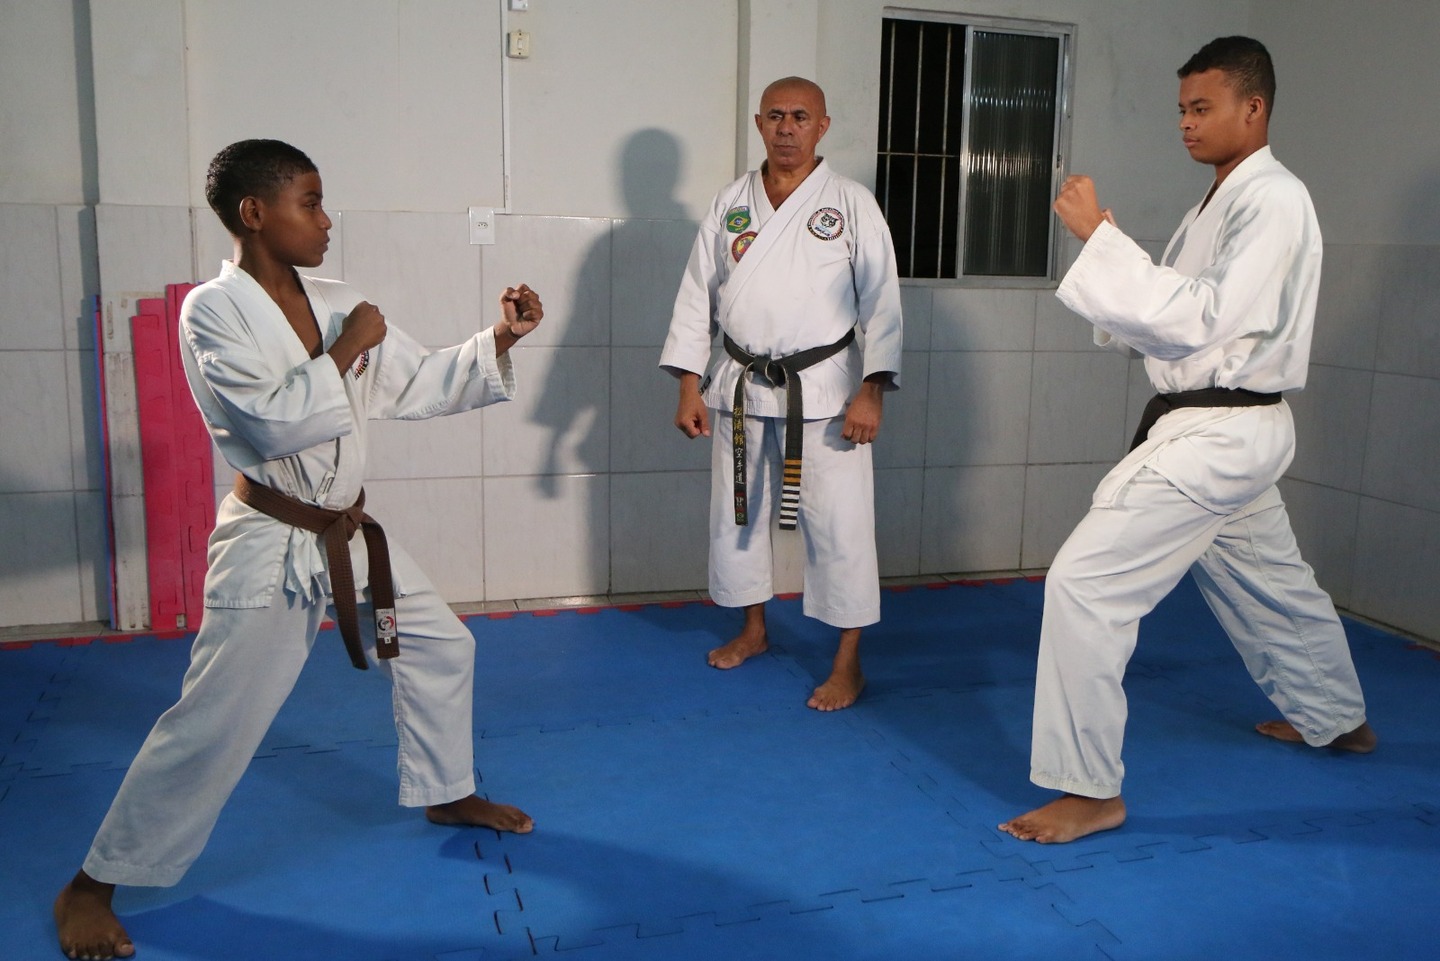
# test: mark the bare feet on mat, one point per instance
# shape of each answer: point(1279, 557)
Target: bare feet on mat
point(840, 691)
point(475, 811)
point(739, 650)
point(87, 926)
point(1362, 740)
point(1067, 818)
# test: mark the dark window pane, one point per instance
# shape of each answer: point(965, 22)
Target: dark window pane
point(900, 209)
point(902, 89)
point(921, 89)
point(950, 217)
point(933, 67)
point(927, 219)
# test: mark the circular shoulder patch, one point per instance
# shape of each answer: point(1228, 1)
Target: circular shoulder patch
point(742, 243)
point(737, 219)
point(827, 223)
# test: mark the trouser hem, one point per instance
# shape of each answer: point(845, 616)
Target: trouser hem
point(1074, 785)
point(133, 875)
point(1324, 738)
point(844, 620)
point(414, 797)
point(741, 598)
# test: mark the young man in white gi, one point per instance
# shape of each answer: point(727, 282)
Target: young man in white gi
point(1224, 323)
point(791, 262)
point(287, 371)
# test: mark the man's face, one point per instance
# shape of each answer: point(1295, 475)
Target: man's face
point(294, 225)
point(1216, 123)
point(791, 121)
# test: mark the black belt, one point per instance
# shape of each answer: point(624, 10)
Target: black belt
point(1162, 404)
point(782, 372)
point(336, 528)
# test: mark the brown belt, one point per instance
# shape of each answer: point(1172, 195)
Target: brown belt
point(336, 528)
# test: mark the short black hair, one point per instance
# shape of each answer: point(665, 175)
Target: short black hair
point(251, 168)
point(1245, 60)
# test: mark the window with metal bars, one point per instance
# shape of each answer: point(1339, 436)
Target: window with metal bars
point(970, 146)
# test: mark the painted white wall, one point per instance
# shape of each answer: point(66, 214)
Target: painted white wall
point(47, 125)
point(624, 109)
point(1352, 113)
point(623, 122)
point(397, 103)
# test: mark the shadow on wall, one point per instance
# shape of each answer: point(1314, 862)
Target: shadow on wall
point(649, 171)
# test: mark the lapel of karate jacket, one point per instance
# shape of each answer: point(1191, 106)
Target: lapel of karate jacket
point(771, 233)
point(267, 322)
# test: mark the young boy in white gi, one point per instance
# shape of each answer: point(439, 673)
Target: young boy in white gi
point(1224, 323)
point(791, 260)
point(287, 370)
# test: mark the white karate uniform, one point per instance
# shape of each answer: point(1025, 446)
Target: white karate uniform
point(298, 425)
point(1231, 305)
point(779, 282)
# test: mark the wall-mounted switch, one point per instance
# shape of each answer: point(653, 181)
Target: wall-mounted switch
point(519, 6)
point(517, 44)
point(482, 225)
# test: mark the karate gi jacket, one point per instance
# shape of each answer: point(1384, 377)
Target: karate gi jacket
point(1232, 304)
point(297, 424)
point(782, 281)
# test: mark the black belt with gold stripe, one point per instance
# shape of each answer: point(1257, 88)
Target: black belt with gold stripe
point(782, 372)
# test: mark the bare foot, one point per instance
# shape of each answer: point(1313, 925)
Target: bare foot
point(738, 651)
point(87, 926)
point(1362, 740)
point(840, 691)
point(1066, 818)
point(846, 682)
point(475, 811)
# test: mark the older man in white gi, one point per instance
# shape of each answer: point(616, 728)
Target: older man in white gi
point(790, 262)
point(1224, 323)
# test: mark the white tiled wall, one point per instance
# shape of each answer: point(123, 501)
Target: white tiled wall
point(1007, 418)
point(1362, 491)
point(1325, 521)
point(658, 528)
point(1332, 415)
point(547, 536)
point(972, 518)
point(419, 269)
point(53, 567)
point(979, 407)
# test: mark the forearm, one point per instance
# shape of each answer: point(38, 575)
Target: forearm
point(504, 339)
point(345, 351)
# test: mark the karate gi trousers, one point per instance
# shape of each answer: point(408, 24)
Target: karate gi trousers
point(243, 666)
point(836, 520)
point(1120, 562)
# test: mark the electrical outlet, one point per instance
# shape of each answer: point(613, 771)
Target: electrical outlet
point(482, 225)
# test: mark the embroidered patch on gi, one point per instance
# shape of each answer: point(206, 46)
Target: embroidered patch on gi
point(826, 223)
point(742, 243)
point(361, 363)
point(737, 219)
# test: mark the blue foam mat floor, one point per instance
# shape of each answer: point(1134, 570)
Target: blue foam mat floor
point(688, 813)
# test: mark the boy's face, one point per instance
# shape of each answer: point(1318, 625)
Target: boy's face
point(1216, 122)
point(292, 225)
